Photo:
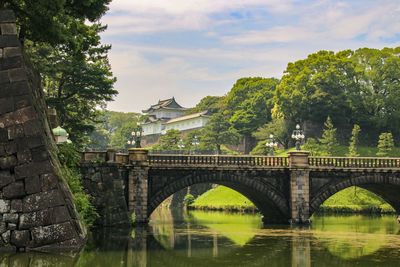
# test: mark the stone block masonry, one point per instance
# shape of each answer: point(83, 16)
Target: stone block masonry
point(106, 183)
point(36, 207)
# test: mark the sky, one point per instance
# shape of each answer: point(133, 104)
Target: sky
point(190, 49)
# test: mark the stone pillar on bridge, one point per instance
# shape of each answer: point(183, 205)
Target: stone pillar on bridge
point(138, 184)
point(299, 187)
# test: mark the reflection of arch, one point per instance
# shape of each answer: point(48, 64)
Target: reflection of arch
point(272, 204)
point(234, 255)
point(385, 185)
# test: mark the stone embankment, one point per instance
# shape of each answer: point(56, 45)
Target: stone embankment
point(36, 205)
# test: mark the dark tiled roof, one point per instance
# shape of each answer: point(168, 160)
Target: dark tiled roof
point(167, 104)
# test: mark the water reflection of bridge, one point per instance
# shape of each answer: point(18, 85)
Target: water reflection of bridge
point(273, 247)
point(190, 243)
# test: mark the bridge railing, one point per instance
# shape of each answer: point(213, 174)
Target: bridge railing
point(354, 162)
point(218, 160)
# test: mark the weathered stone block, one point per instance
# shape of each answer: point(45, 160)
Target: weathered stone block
point(14, 190)
point(12, 51)
point(6, 236)
point(20, 238)
point(16, 205)
point(49, 181)
point(19, 88)
point(7, 16)
point(6, 105)
point(8, 29)
point(10, 148)
point(33, 127)
point(22, 101)
point(24, 156)
point(15, 132)
point(4, 206)
point(5, 178)
point(7, 162)
point(17, 75)
point(52, 234)
point(3, 137)
point(30, 142)
point(12, 226)
point(9, 41)
point(35, 168)
point(25, 114)
point(3, 227)
point(10, 217)
point(42, 200)
point(49, 216)
point(40, 154)
point(10, 62)
point(4, 79)
point(33, 185)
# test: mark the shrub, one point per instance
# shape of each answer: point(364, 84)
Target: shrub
point(69, 158)
point(188, 200)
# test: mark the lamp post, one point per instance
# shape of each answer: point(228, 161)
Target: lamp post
point(271, 144)
point(195, 143)
point(181, 145)
point(298, 135)
point(135, 138)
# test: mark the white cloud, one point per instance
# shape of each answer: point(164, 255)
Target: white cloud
point(280, 34)
point(148, 69)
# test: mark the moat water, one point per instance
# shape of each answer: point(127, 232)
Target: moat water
point(210, 239)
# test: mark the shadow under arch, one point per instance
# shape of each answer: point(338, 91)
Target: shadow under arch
point(385, 185)
point(271, 203)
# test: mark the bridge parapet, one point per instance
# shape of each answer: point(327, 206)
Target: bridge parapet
point(354, 162)
point(218, 160)
point(300, 160)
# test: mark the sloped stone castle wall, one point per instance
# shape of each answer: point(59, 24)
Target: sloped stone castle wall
point(36, 206)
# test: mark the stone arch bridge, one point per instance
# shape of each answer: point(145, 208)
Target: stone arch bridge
point(284, 189)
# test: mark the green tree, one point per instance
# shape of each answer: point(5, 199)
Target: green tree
point(249, 105)
point(76, 84)
point(55, 22)
point(315, 148)
point(169, 141)
point(354, 141)
point(375, 104)
point(385, 144)
point(279, 127)
point(328, 139)
point(218, 132)
point(190, 137)
point(318, 86)
point(212, 104)
point(67, 52)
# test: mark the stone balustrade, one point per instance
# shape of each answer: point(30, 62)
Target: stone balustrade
point(256, 161)
point(354, 162)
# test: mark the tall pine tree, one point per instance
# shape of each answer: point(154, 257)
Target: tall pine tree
point(385, 144)
point(354, 141)
point(328, 139)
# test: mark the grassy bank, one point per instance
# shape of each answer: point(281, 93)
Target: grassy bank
point(223, 198)
point(349, 200)
point(355, 200)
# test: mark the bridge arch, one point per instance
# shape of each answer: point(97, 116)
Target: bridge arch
point(385, 185)
point(266, 197)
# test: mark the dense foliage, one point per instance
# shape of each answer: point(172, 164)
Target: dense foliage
point(113, 130)
point(69, 158)
point(62, 40)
